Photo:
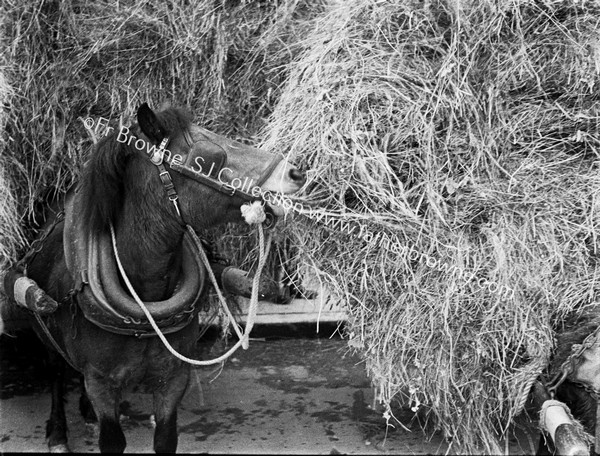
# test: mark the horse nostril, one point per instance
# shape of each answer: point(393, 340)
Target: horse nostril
point(297, 175)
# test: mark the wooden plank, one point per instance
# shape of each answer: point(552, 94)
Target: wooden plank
point(298, 311)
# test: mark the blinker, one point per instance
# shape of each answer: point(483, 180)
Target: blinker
point(204, 161)
point(205, 157)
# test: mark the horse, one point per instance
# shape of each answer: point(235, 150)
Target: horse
point(140, 187)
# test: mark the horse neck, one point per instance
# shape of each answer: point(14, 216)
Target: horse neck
point(150, 242)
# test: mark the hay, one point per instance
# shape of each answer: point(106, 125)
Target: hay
point(11, 235)
point(67, 61)
point(467, 131)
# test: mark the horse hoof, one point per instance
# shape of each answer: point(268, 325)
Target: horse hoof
point(92, 430)
point(60, 448)
point(153, 421)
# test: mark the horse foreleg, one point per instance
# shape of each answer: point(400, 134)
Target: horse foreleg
point(166, 400)
point(105, 399)
point(56, 426)
point(87, 411)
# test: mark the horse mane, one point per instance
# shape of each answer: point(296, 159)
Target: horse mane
point(102, 185)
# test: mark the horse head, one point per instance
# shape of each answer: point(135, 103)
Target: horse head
point(178, 171)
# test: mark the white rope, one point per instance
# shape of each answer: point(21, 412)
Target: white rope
point(244, 338)
point(211, 275)
point(262, 258)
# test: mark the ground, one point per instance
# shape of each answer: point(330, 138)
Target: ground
point(283, 395)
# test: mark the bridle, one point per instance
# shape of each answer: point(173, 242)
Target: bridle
point(157, 157)
point(74, 247)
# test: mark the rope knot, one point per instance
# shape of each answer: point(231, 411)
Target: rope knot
point(253, 213)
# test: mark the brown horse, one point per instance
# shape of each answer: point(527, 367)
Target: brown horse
point(148, 181)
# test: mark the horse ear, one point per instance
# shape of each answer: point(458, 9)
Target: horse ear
point(149, 123)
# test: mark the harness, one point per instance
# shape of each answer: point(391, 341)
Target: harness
point(93, 261)
point(214, 157)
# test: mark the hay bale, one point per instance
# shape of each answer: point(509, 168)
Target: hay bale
point(463, 130)
point(467, 133)
point(11, 235)
point(11, 240)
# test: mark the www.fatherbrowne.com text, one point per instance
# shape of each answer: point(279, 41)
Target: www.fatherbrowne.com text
point(379, 240)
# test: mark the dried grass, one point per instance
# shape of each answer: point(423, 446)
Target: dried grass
point(66, 61)
point(465, 129)
point(469, 131)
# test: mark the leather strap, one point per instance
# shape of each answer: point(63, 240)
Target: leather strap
point(52, 340)
point(206, 179)
point(167, 182)
point(157, 158)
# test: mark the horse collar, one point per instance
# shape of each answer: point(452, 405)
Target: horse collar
point(102, 299)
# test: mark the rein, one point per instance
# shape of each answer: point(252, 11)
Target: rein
point(252, 213)
point(244, 339)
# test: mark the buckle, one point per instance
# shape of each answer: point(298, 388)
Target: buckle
point(228, 189)
point(166, 179)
